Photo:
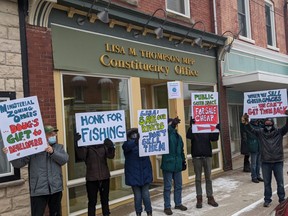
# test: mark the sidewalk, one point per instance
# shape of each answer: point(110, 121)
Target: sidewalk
point(233, 190)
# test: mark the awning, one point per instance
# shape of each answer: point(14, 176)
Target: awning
point(255, 81)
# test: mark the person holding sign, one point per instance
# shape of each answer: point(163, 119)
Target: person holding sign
point(45, 175)
point(138, 172)
point(172, 166)
point(97, 173)
point(272, 157)
point(201, 150)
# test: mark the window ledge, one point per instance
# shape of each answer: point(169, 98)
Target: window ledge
point(249, 40)
point(12, 183)
point(273, 48)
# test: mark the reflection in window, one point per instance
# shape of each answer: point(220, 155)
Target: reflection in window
point(270, 24)
point(98, 94)
point(7, 172)
point(180, 7)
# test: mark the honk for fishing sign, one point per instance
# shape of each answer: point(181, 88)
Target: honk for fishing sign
point(95, 127)
point(205, 112)
point(22, 128)
point(265, 104)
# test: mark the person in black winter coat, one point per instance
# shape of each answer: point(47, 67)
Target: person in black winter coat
point(97, 173)
point(138, 172)
point(244, 149)
point(272, 156)
point(201, 150)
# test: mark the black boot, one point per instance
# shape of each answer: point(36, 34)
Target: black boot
point(199, 201)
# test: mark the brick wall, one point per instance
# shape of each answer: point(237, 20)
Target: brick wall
point(14, 196)
point(41, 71)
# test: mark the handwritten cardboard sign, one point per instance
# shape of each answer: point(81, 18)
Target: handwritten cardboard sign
point(95, 127)
point(205, 112)
point(265, 104)
point(22, 128)
point(153, 130)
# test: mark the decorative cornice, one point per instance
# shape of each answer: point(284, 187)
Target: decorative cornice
point(39, 12)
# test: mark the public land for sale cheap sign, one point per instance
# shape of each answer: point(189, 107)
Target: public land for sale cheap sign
point(205, 112)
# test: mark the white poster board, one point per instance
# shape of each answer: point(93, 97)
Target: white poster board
point(22, 127)
point(153, 130)
point(174, 90)
point(205, 112)
point(95, 127)
point(265, 104)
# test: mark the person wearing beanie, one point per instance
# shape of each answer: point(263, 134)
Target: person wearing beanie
point(138, 172)
point(172, 166)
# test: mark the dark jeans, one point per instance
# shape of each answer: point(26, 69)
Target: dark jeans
point(277, 169)
point(142, 193)
point(255, 165)
point(92, 188)
point(39, 203)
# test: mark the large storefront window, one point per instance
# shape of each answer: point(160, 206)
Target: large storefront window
point(93, 94)
point(187, 90)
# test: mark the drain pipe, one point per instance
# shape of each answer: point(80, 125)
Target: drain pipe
point(23, 11)
point(215, 17)
point(286, 23)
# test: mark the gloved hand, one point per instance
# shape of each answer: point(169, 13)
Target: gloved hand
point(108, 143)
point(245, 119)
point(218, 127)
point(286, 112)
point(192, 121)
point(175, 122)
point(77, 137)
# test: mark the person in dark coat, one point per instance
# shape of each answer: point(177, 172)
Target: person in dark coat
point(138, 172)
point(244, 149)
point(201, 150)
point(272, 155)
point(172, 167)
point(97, 173)
point(254, 151)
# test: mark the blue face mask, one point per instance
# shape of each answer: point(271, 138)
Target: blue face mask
point(52, 140)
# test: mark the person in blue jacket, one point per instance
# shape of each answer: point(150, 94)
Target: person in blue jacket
point(138, 172)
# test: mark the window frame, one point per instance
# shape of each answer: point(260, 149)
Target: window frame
point(15, 172)
point(247, 20)
point(272, 24)
point(186, 8)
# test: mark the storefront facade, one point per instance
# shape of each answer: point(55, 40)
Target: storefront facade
point(93, 66)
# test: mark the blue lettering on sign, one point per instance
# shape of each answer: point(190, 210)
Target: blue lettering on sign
point(100, 134)
point(152, 142)
point(86, 120)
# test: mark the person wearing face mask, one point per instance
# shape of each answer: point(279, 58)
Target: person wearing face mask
point(138, 172)
point(172, 166)
point(272, 157)
point(45, 175)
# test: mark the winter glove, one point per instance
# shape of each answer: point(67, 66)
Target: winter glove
point(245, 119)
point(108, 143)
point(192, 121)
point(184, 165)
point(286, 112)
point(175, 122)
point(77, 137)
point(218, 127)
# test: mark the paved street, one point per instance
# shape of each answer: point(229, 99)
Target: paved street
point(233, 190)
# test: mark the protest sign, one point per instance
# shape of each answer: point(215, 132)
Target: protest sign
point(95, 127)
point(205, 112)
point(153, 130)
point(174, 90)
point(265, 104)
point(22, 128)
